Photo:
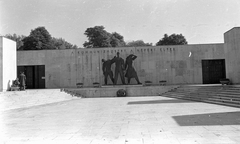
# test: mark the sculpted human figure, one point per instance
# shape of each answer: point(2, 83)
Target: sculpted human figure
point(107, 71)
point(119, 68)
point(131, 73)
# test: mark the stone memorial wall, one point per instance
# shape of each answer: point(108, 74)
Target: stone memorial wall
point(179, 64)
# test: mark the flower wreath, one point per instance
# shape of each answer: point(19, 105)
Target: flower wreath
point(121, 93)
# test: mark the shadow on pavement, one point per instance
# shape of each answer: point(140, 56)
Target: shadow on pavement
point(160, 101)
point(225, 118)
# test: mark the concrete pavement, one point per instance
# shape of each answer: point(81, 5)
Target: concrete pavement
point(130, 120)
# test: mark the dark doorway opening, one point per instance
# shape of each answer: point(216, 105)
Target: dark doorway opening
point(213, 71)
point(35, 76)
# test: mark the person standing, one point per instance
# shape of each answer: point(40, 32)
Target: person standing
point(131, 73)
point(107, 71)
point(22, 80)
point(119, 68)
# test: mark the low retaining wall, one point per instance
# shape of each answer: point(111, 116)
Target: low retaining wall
point(111, 91)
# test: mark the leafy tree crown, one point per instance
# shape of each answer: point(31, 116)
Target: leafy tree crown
point(174, 39)
point(98, 37)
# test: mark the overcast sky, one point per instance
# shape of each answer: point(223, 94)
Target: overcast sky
point(200, 21)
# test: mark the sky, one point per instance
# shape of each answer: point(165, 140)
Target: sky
point(200, 21)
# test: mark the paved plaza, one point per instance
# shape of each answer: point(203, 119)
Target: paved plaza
point(128, 120)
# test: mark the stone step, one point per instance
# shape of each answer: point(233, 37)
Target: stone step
point(236, 97)
point(213, 101)
point(210, 93)
point(230, 92)
point(28, 98)
point(227, 95)
point(200, 89)
point(208, 90)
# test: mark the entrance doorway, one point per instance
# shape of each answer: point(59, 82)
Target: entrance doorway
point(35, 76)
point(213, 71)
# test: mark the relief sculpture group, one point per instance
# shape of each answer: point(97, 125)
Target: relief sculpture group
point(122, 69)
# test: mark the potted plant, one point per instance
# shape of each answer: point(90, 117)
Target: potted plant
point(225, 81)
point(96, 84)
point(148, 83)
point(79, 85)
point(162, 82)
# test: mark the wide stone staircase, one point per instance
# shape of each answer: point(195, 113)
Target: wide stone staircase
point(23, 99)
point(228, 95)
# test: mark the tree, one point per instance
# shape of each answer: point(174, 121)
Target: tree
point(174, 39)
point(99, 37)
point(117, 40)
point(38, 39)
point(17, 38)
point(138, 43)
point(60, 43)
point(41, 34)
point(31, 43)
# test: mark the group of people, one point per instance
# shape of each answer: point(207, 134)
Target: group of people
point(20, 82)
point(120, 68)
